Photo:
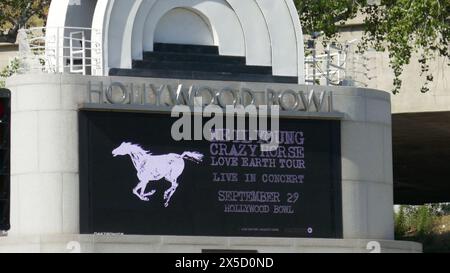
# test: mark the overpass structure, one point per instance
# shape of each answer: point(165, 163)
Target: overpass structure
point(419, 121)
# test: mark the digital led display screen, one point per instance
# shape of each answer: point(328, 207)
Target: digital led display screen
point(136, 179)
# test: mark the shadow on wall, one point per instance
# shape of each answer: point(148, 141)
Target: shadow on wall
point(184, 26)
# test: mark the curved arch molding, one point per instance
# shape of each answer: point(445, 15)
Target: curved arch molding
point(266, 32)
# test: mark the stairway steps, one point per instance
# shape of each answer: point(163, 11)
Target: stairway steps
point(182, 57)
point(197, 62)
point(186, 49)
point(200, 75)
point(203, 66)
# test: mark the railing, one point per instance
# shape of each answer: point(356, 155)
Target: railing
point(72, 50)
point(325, 68)
point(58, 50)
point(339, 65)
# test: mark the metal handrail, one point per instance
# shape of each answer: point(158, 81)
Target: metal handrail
point(340, 65)
point(73, 50)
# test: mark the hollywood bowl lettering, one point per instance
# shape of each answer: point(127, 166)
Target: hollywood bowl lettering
point(167, 95)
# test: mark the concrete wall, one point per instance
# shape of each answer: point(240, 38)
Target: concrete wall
point(45, 156)
point(410, 99)
point(156, 244)
point(183, 26)
point(45, 195)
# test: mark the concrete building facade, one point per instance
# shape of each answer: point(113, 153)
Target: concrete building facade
point(45, 171)
point(45, 186)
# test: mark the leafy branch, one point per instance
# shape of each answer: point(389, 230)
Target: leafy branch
point(401, 27)
point(16, 14)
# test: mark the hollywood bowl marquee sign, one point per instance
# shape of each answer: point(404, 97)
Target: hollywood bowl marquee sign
point(145, 181)
point(167, 95)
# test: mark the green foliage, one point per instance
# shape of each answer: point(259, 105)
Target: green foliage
point(416, 221)
point(424, 221)
point(401, 224)
point(402, 27)
point(12, 68)
point(428, 224)
point(16, 14)
point(326, 16)
point(406, 27)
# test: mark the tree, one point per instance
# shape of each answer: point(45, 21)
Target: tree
point(417, 221)
point(401, 224)
point(402, 27)
point(15, 14)
point(326, 16)
point(405, 27)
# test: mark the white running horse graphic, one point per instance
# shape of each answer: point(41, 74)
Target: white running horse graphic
point(154, 168)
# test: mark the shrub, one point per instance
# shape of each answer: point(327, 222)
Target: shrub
point(11, 69)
